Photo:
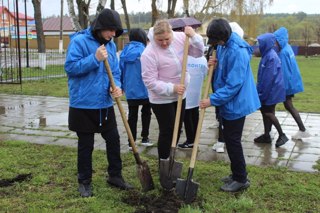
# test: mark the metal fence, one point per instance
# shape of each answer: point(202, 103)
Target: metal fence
point(30, 65)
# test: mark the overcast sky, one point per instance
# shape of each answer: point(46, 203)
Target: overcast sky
point(52, 7)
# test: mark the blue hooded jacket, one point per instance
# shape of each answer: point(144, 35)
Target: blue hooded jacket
point(291, 73)
point(235, 90)
point(130, 67)
point(87, 78)
point(270, 83)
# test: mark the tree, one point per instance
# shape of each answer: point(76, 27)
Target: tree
point(39, 26)
point(83, 12)
point(100, 6)
point(124, 6)
point(154, 12)
point(74, 19)
point(171, 8)
point(40, 35)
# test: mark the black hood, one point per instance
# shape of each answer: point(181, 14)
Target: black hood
point(218, 30)
point(106, 20)
point(137, 34)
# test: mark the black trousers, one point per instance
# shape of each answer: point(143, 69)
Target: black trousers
point(165, 114)
point(232, 131)
point(85, 149)
point(191, 119)
point(145, 119)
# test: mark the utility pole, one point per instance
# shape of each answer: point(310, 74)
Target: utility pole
point(61, 29)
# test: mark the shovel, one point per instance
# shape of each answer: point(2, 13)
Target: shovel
point(170, 169)
point(187, 189)
point(143, 170)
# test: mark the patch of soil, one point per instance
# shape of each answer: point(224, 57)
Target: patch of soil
point(18, 178)
point(166, 202)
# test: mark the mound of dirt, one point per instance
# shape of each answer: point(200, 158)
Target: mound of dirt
point(166, 202)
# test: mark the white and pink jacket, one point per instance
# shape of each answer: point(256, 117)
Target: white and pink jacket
point(161, 68)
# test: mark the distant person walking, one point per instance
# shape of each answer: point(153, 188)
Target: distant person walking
point(133, 86)
point(271, 89)
point(292, 78)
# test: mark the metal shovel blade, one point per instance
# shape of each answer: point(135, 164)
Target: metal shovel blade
point(170, 171)
point(187, 189)
point(145, 177)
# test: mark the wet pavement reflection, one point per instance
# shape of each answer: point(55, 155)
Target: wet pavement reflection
point(44, 120)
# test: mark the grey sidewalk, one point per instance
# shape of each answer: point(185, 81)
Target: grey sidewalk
point(44, 120)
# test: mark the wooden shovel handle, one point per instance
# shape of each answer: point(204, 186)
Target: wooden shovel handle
point(179, 104)
point(122, 113)
point(201, 115)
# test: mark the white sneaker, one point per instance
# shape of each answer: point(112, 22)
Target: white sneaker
point(146, 142)
point(299, 135)
point(218, 147)
point(213, 126)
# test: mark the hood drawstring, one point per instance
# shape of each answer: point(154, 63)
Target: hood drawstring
point(100, 117)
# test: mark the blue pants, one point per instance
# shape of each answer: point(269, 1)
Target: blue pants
point(232, 131)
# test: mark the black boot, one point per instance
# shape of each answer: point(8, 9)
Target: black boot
point(85, 189)
point(118, 181)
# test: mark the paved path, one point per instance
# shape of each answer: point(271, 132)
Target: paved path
point(43, 120)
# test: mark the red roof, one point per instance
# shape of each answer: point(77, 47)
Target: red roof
point(22, 16)
point(53, 24)
point(13, 14)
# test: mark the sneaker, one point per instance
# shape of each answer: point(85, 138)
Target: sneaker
point(185, 145)
point(299, 135)
point(85, 189)
point(129, 146)
point(263, 139)
point(118, 182)
point(281, 140)
point(146, 142)
point(213, 126)
point(227, 179)
point(235, 186)
point(218, 147)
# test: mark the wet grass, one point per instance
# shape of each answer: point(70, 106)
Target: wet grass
point(307, 101)
point(52, 185)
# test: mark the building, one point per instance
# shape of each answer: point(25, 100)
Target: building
point(9, 22)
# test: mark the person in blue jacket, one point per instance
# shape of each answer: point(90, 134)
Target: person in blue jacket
point(271, 90)
point(292, 78)
point(133, 86)
point(235, 94)
point(90, 94)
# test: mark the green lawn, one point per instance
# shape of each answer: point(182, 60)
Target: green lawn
point(307, 101)
point(52, 186)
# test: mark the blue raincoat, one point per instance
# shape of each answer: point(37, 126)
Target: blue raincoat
point(270, 83)
point(291, 73)
point(87, 78)
point(130, 67)
point(235, 90)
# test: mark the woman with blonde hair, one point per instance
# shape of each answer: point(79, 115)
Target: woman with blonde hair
point(161, 72)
